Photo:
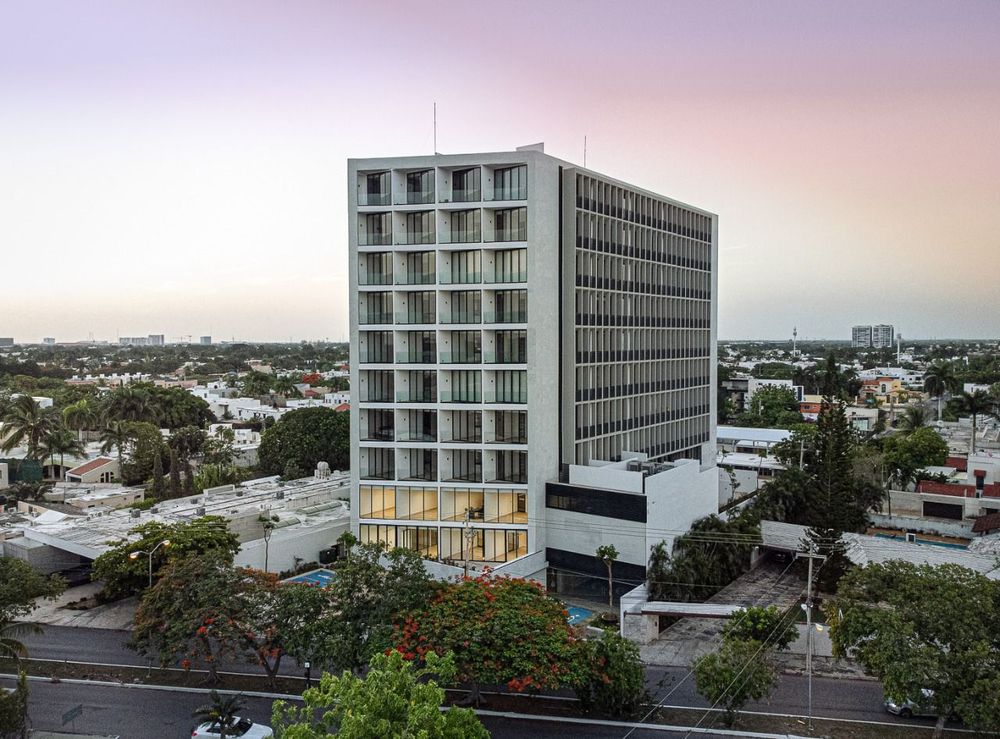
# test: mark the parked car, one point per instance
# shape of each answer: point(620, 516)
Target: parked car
point(923, 707)
point(244, 728)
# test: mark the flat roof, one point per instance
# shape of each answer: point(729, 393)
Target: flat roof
point(746, 433)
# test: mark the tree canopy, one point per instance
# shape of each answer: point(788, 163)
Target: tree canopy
point(304, 437)
point(395, 699)
point(907, 454)
point(917, 627)
point(772, 407)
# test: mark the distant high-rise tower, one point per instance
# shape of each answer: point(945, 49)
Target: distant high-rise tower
point(861, 337)
point(883, 336)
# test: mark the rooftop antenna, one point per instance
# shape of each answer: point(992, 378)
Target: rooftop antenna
point(795, 336)
point(585, 150)
point(435, 127)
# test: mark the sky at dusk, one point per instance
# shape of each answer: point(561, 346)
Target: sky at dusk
point(180, 167)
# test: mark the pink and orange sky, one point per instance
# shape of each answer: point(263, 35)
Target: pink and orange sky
point(180, 167)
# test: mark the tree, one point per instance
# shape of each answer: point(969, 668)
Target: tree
point(129, 403)
point(396, 699)
point(80, 416)
point(145, 443)
point(60, 440)
point(918, 627)
point(187, 442)
point(978, 404)
point(14, 710)
point(772, 407)
point(608, 554)
point(914, 417)
point(158, 488)
point(304, 437)
point(483, 621)
point(612, 677)
point(285, 385)
point(222, 712)
point(940, 379)
point(373, 590)
point(704, 560)
point(27, 423)
point(766, 625)
point(197, 628)
point(799, 447)
point(906, 456)
point(175, 475)
point(116, 435)
point(254, 384)
point(20, 586)
point(739, 671)
point(123, 575)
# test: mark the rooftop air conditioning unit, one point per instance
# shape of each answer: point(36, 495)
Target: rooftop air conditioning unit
point(136, 513)
point(911, 538)
point(154, 509)
point(200, 511)
point(280, 495)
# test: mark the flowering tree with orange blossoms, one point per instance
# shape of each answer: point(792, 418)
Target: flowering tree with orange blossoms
point(500, 630)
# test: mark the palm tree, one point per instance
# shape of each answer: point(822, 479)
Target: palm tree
point(940, 379)
point(914, 417)
point(80, 416)
point(60, 440)
point(115, 436)
point(977, 404)
point(222, 711)
point(130, 404)
point(284, 385)
point(10, 645)
point(28, 423)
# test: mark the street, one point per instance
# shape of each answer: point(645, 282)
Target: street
point(134, 712)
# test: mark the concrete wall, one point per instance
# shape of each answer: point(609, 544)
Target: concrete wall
point(287, 544)
point(924, 525)
point(677, 498)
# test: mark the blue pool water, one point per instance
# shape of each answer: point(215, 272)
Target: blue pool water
point(578, 615)
point(318, 578)
point(945, 544)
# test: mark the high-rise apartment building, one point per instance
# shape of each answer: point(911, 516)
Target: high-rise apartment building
point(518, 321)
point(883, 336)
point(861, 336)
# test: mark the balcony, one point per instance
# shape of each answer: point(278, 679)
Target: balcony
point(461, 316)
point(420, 197)
point(508, 439)
point(507, 396)
point(468, 195)
point(416, 278)
point(375, 317)
point(374, 198)
point(375, 239)
point(384, 434)
point(460, 278)
point(376, 357)
point(465, 477)
point(379, 473)
point(427, 395)
point(508, 316)
point(407, 318)
point(376, 278)
point(505, 358)
point(462, 357)
point(463, 236)
point(411, 238)
point(504, 278)
point(447, 396)
point(416, 436)
point(377, 398)
point(416, 357)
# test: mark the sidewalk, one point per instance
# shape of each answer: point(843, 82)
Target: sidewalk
point(118, 615)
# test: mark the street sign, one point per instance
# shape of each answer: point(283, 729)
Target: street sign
point(74, 712)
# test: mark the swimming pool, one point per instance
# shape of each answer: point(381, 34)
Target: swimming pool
point(932, 542)
point(578, 615)
point(316, 578)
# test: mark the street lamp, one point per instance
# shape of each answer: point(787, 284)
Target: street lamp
point(150, 553)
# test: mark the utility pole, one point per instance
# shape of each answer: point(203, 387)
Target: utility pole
point(467, 536)
point(808, 606)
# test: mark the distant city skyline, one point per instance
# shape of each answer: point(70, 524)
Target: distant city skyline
point(173, 167)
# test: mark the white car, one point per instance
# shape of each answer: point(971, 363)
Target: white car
point(243, 728)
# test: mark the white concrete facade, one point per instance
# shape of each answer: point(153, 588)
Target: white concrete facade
point(512, 314)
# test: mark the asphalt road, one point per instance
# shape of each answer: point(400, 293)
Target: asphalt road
point(132, 713)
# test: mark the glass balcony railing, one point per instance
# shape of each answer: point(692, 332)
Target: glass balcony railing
point(505, 358)
point(510, 234)
point(370, 239)
point(419, 317)
point(416, 278)
point(465, 439)
point(375, 317)
point(460, 278)
point(419, 197)
point(416, 357)
point(465, 477)
point(461, 316)
point(423, 475)
point(507, 277)
point(517, 316)
point(467, 195)
point(507, 396)
point(508, 439)
point(464, 357)
point(375, 278)
point(416, 436)
point(381, 435)
point(514, 477)
point(447, 396)
point(377, 398)
point(376, 357)
point(418, 237)
point(455, 236)
point(380, 473)
point(374, 198)
point(510, 193)
point(416, 396)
